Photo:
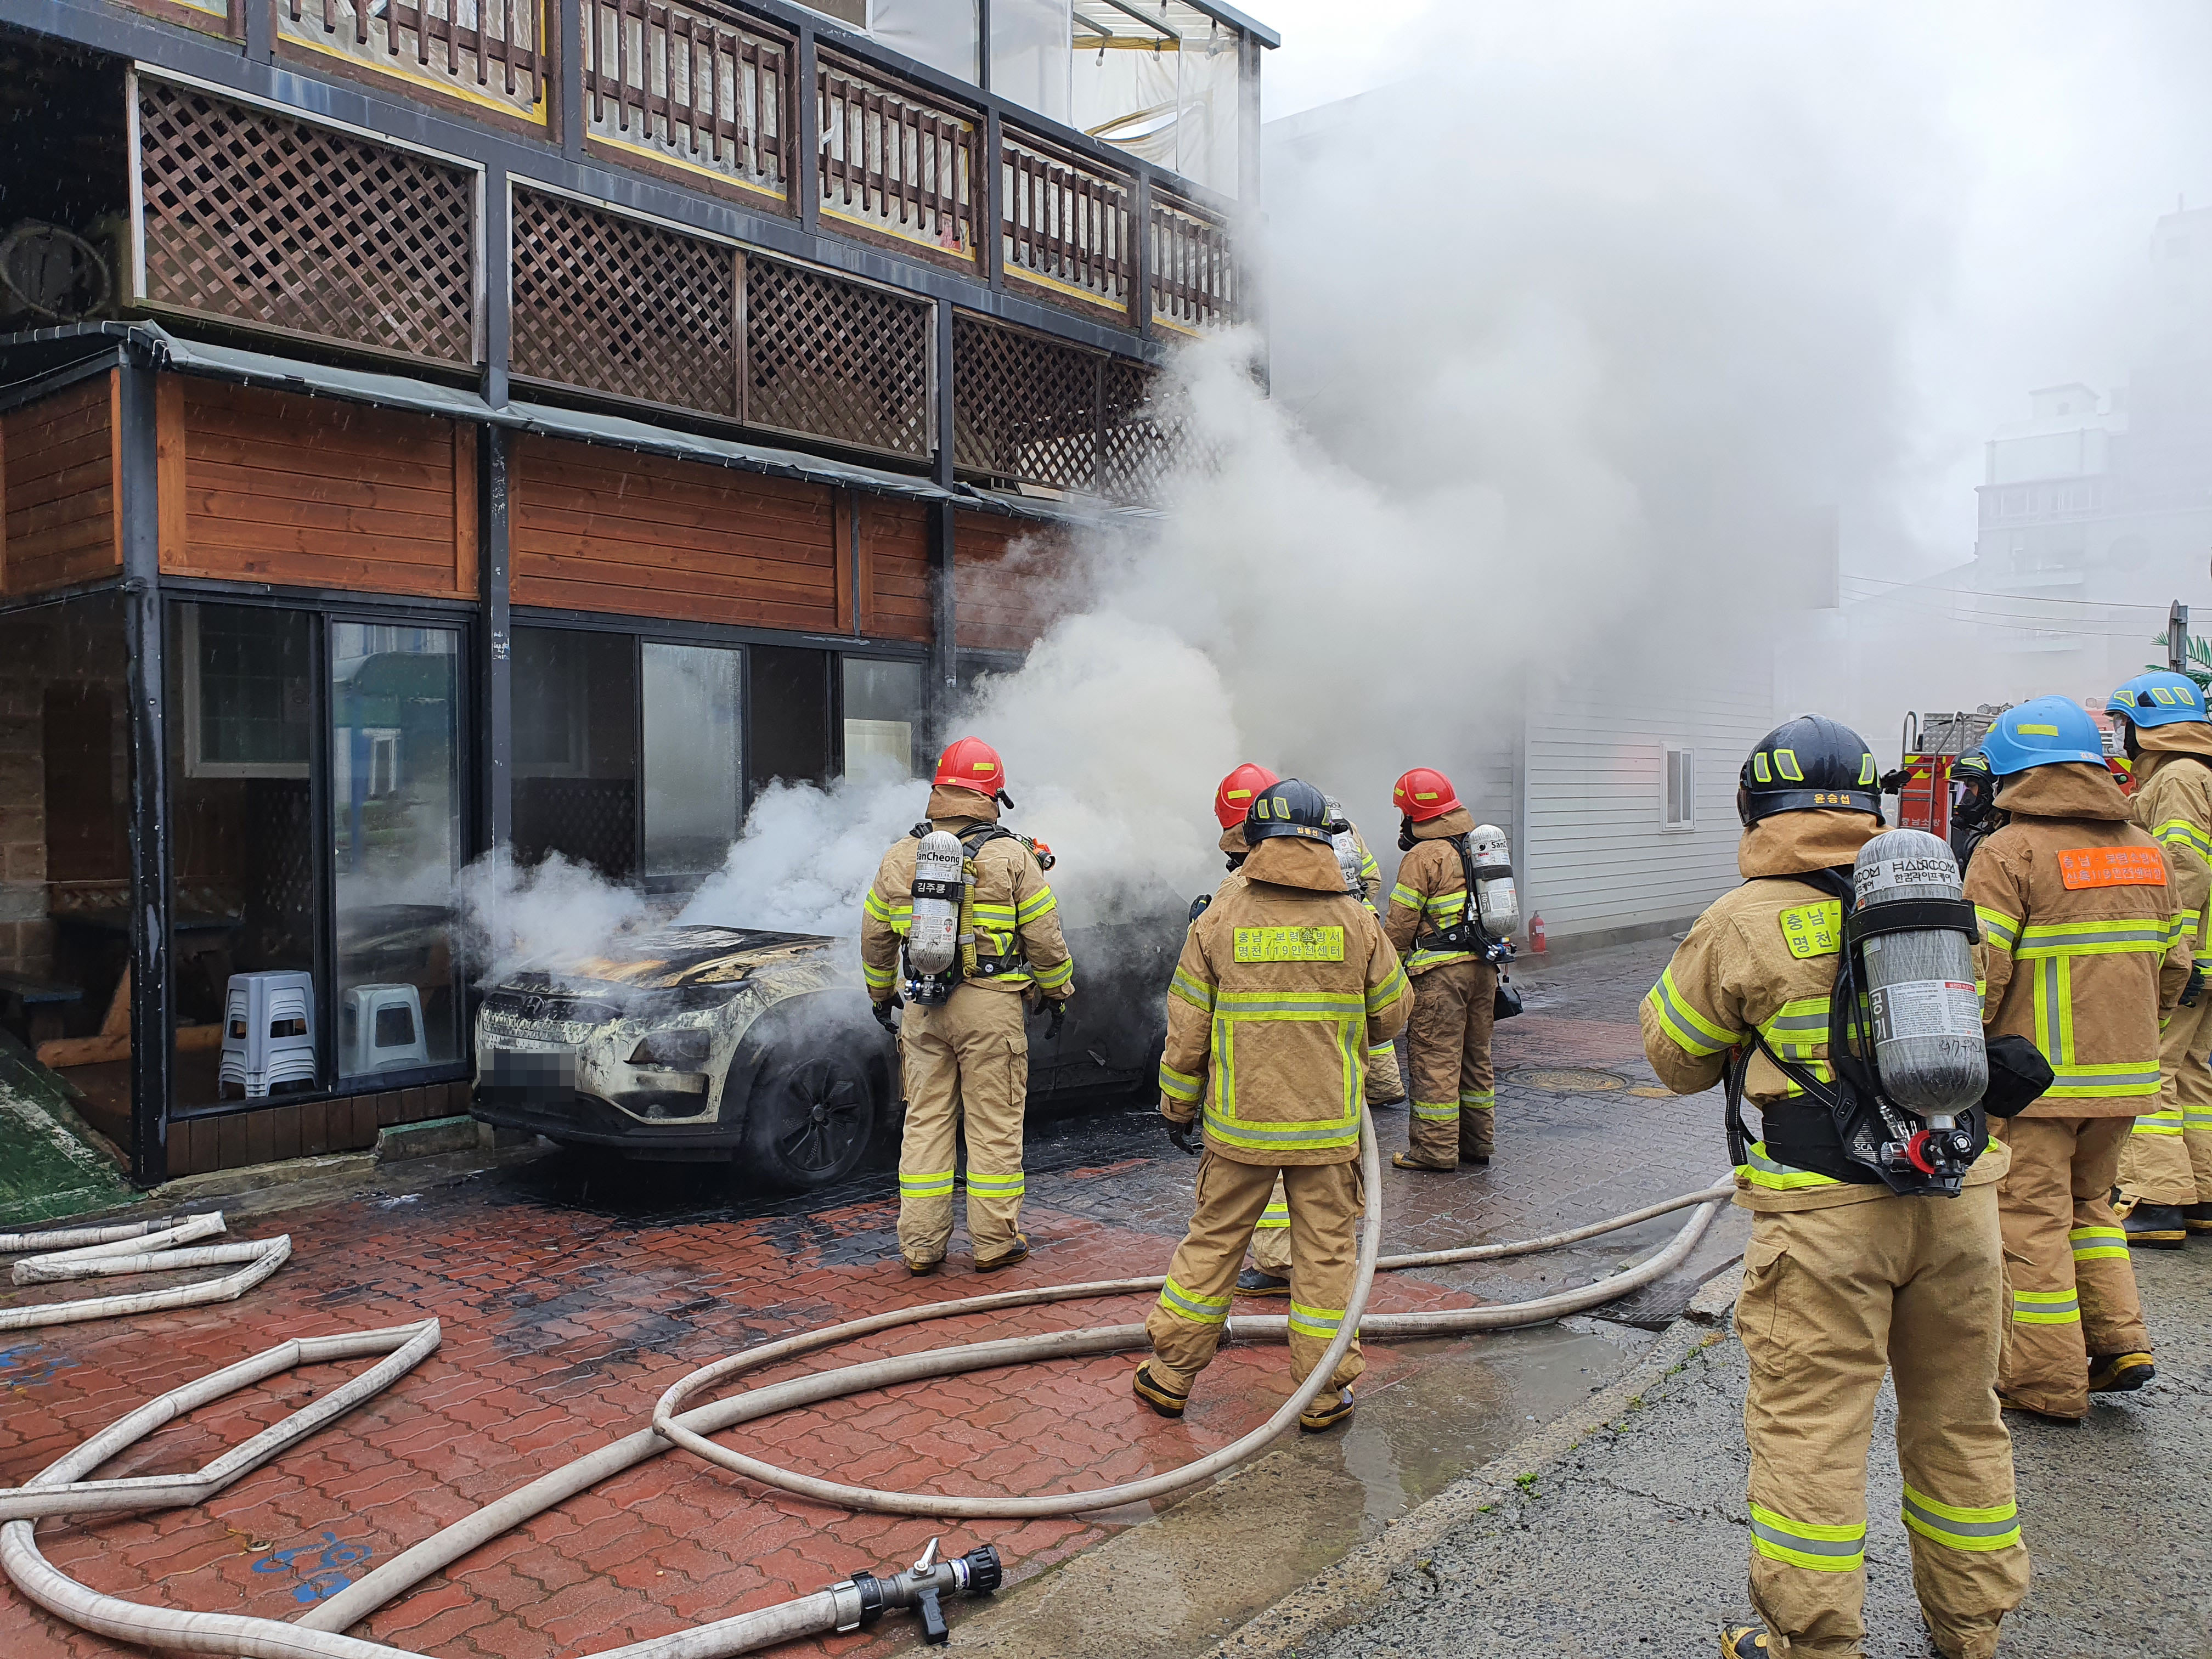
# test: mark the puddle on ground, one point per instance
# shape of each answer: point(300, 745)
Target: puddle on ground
point(1178, 1582)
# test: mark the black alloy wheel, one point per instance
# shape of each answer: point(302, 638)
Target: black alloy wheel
point(812, 1119)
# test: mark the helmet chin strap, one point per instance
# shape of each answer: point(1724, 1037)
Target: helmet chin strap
point(1003, 799)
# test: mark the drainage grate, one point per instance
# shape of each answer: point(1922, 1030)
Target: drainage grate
point(1569, 1080)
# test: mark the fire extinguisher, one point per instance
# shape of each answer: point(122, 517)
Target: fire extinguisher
point(1537, 934)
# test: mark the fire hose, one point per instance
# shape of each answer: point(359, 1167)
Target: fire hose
point(63, 1488)
point(137, 1247)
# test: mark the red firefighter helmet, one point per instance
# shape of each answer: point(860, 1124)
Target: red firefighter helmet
point(1424, 793)
point(971, 763)
point(1234, 799)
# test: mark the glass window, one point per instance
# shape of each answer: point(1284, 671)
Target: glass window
point(691, 746)
point(884, 704)
point(242, 856)
point(791, 737)
point(575, 748)
point(396, 840)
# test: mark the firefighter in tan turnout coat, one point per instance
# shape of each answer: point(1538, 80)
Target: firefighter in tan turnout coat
point(2166, 1167)
point(966, 1057)
point(2082, 954)
point(1454, 1089)
point(1284, 983)
point(1843, 1279)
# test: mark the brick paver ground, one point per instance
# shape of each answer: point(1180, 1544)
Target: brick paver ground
point(573, 1292)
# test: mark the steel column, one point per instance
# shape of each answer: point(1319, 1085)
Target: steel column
point(137, 514)
point(494, 653)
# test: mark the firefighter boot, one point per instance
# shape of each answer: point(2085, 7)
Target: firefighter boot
point(1327, 1411)
point(1257, 1281)
point(2155, 1226)
point(2119, 1373)
point(2196, 1219)
point(1156, 1394)
point(1743, 1642)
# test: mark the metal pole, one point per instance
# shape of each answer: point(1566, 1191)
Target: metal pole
point(137, 510)
point(494, 647)
point(2177, 637)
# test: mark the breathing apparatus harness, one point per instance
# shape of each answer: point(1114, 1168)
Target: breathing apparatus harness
point(1850, 1129)
point(1467, 933)
point(931, 989)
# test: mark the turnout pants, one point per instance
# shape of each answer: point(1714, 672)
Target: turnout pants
point(1270, 1240)
point(1832, 1298)
point(1454, 1095)
point(968, 1058)
point(2072, 1292)
point(2168, 1157)
point(1325, 1202)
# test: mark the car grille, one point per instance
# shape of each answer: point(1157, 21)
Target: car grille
point(537, 1006)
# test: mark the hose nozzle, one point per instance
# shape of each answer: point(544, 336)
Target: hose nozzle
point(863, 1598)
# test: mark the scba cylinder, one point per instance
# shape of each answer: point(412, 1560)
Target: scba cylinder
point(932, 941)
point(1496, 905)
point(1346, 845)
point(1926, 1015)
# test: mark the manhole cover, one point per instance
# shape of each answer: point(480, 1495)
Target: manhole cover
point(1652, 1091)
point(1571, 1080)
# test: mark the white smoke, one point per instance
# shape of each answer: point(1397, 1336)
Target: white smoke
point(510, 917)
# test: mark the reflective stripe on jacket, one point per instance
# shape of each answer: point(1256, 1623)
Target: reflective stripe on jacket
point(1430, 891)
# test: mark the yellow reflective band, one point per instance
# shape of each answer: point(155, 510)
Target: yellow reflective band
point(1760, 769)
point(1290, 945)
point(1193, 990)
point(1275, 1215)
point(2160, 1123)
point(1478, 1100)
point(2089, 938)
point(1180, 1085)
point(1321, 1323)
point(2025, 730)
point(1185, 1304)
point(1814, 930)
point(2000, 929)
point(927, 1184)
point(1786, 762)
point(1406, 896)
point(1036, 905)
point(2181, 831)
point(878, 979)
point(1435, 1108)
point(1051, 978)
point(1805, 1544)
point(2045, 1308)
point(1764, 1171)
point(1691, 1030)
point(1992, 1527)
point(2098, 1244)
point(1388, 991)
point(1004, 1186)
point(882, 909)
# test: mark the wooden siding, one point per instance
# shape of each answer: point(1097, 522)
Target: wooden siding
point(311, 492)
point(894, 570)
point(1011, 580)
point(604, 530)
point(270, 1134)
point(57, 489)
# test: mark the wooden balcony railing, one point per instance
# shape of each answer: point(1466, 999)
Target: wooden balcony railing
point(489, 52)
point(896, 164)
point(1066, 226)
point(1194, 275)
point(683, 86)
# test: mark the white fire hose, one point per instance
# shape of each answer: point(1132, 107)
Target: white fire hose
point(137, 1247)
point(63, 1488)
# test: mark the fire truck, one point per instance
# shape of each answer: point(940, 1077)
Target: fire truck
point(1931, 744)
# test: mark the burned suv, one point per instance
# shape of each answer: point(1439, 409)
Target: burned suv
point(706, 1043)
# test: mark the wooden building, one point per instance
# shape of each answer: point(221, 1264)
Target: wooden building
point(432, 427)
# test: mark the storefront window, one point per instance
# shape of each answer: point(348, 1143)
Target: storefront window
point(242, 858)
point(575, 748)
point(692, 777)
point(397, 842)
point(883, 703)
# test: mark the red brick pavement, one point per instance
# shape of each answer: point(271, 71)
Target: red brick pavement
point(566, 1316)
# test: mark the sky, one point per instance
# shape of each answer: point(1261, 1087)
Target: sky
point(2051, 136)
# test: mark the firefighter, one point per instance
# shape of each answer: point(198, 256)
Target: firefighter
point(1284, 982)
point(2080, 954)
point(1844, 1279)
point(2166, 1167)
point(1454, 1093)
point(963, 1050)
point(1270, 1271)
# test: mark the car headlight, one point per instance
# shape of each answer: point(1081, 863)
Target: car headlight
point(684, 1050)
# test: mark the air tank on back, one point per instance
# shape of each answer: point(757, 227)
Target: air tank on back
point(1496, 904)
point(932, 939)
point(1346, 845)
point(1926, 1015)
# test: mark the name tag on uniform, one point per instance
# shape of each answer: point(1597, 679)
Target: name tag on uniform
point(2112, 867)
point(1814, 930)
point(1290, 945)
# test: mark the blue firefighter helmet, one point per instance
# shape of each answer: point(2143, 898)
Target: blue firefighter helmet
point(2159, 698)
point(2046, 732)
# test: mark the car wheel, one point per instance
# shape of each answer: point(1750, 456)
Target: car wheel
point(812, 1118)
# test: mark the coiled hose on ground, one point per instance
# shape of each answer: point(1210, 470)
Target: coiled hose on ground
point(63, 1488)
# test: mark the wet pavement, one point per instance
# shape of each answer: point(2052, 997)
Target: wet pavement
point(574, 1291)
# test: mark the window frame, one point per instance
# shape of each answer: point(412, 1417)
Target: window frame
point(1678, 784)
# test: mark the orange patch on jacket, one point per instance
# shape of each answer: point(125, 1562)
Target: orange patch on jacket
point(2112, 867)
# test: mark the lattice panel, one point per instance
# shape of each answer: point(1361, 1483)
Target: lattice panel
point(682, 84)
point(1025, 408)
point(617, 305)
point(897, 164)
point(271, 221)
point(835, 360)
point(1068, 224)
point(1141, 433)
point(487, 50)
point(1194, 278)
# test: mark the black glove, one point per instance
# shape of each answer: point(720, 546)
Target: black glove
point(2189, 992)
point(883, 1011)
point(1055, 1020)
point(2018, 1076)
point(1187, 1136)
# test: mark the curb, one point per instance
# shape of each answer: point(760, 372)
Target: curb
point(1342, 1594)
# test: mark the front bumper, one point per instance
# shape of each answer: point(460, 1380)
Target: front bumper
point(585, 1120)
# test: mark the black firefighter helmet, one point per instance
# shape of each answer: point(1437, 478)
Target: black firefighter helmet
point(1291, 807)
point(1805, 764)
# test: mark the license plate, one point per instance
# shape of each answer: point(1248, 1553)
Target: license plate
point(534, 1071)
